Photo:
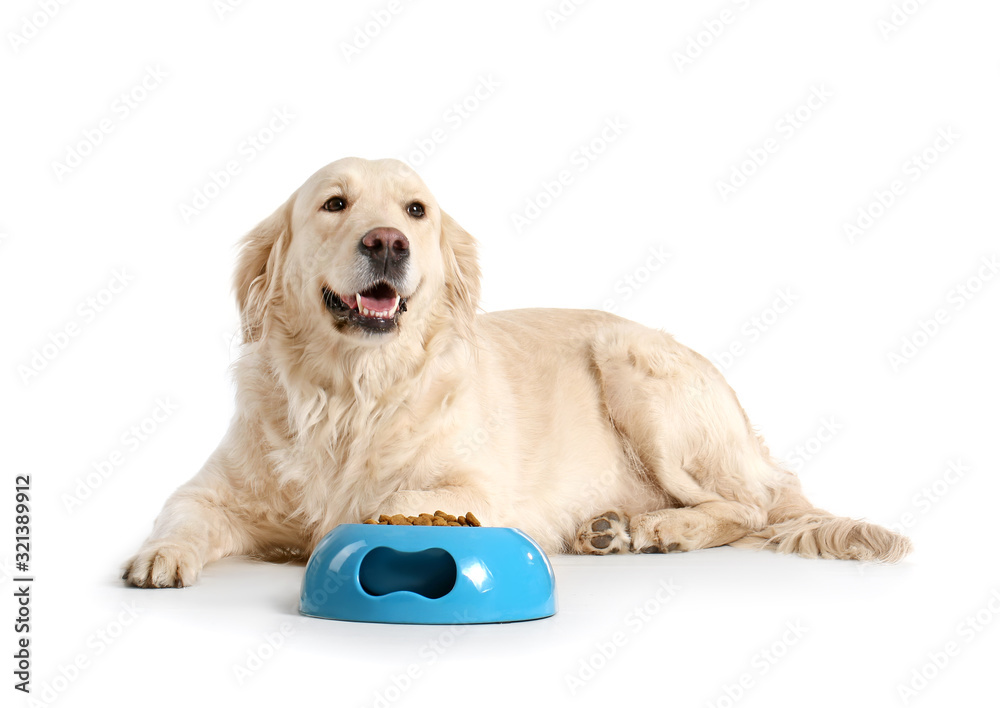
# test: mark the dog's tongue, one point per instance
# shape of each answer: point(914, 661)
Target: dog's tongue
point(351, 301)
point(375, 304)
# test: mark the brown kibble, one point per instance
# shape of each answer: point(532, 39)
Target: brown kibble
point(438, 518)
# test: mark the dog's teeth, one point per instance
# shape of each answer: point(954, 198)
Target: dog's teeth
point(379, 314)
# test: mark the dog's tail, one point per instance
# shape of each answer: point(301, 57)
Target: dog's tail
point(798, 527)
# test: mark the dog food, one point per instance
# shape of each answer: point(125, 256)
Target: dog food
point(438, 518)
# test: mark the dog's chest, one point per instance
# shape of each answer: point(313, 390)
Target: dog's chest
point(355, 456)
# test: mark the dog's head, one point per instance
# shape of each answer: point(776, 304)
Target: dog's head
point(360, 255)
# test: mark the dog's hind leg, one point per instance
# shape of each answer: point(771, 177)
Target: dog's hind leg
point(693, 441)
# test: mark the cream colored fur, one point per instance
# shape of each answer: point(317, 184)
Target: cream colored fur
point(540, 419)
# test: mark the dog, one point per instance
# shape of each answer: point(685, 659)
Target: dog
point(369, 383)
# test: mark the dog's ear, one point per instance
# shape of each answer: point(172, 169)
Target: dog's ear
point(255, 282)
point(461, 267)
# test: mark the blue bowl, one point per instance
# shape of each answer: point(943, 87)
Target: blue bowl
point(428, 575)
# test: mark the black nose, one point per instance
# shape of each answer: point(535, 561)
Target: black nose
point(388, 249)
point(385, 242)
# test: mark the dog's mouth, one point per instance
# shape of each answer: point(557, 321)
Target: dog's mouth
point(375, 309)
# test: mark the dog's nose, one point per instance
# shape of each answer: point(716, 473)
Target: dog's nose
point(385, 243)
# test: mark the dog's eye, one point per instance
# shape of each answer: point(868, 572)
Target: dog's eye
point(335, 204)
point(416, 210)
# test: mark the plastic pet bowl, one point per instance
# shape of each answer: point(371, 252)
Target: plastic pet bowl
point(428, 575)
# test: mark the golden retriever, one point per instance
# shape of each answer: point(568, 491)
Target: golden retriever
point(369, 383)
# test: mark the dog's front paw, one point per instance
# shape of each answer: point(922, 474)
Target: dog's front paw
point(607, 533)
point(164, 564)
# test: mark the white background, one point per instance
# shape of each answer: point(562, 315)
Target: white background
point(168, 336)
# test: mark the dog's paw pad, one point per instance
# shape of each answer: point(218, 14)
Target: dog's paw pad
point(603, 535)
